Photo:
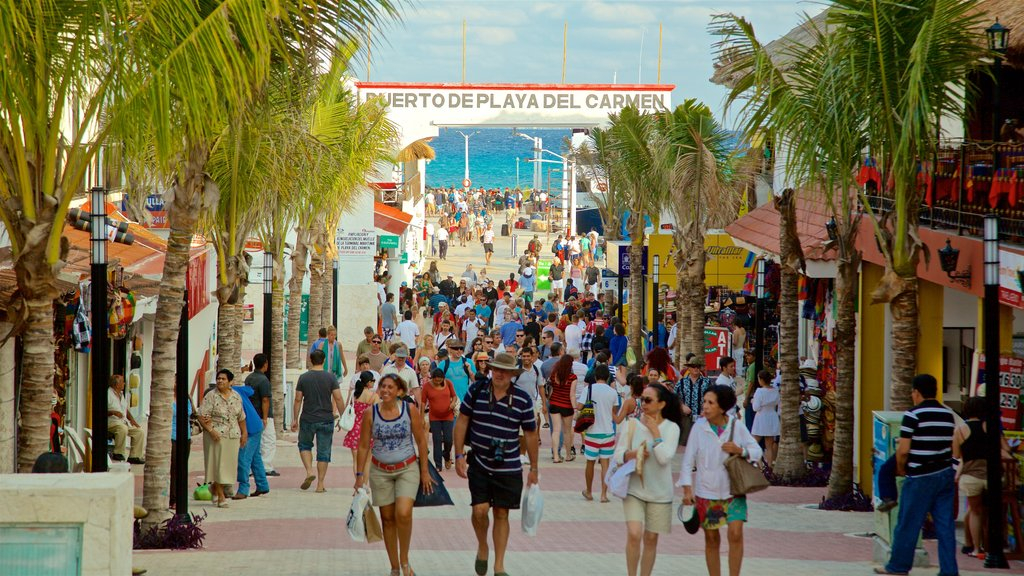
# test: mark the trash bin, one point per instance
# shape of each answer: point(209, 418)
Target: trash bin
point(504, 229)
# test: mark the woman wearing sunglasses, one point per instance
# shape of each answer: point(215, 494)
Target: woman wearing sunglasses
point(651, 440)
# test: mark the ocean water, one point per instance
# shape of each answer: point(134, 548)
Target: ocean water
point(492, 157)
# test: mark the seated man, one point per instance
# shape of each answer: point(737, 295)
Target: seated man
point(120, 423)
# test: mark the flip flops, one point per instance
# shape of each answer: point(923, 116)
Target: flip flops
point(480, 567)
point(307, 482)
point(587, 496)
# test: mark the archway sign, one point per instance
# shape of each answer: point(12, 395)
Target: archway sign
point(420, 110)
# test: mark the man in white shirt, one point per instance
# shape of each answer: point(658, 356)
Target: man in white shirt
point(489, 243)
point(442, 242)
point(599, 440)
point(578, 368)
point(727, 377)
point(574, 333)
point(465, 303)
point(405, 372)
point(471, 325)
point(530, 381)
point(408, 332)
point(121, 424)
point(499, 310)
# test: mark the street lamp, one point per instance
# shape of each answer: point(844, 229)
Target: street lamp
point(100, 345)
point(568, 189)
point(268, 298)
point(538, 145)
point(465, 178)
point(994, 557)
point(998, 41)
point(759, 317)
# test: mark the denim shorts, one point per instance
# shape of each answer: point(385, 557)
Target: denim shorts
point(324, 432)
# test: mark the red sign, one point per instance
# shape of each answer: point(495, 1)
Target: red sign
point(717, 344)
point(1011, 377)
point(195, 285)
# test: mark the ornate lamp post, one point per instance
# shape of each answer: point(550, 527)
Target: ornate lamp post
point(994, 557)
point(998, 42)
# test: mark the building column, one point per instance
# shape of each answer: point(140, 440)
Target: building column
point(871, 373)
point(929, 341)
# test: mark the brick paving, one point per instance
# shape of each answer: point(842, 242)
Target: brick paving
point(292, 532)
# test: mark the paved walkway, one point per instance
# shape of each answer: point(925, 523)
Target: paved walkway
point(292, 532)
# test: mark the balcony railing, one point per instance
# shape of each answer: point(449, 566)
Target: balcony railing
point(964, 182)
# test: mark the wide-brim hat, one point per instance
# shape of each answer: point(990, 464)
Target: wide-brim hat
point(504, 361)
point(693, 360)
point(688, 516)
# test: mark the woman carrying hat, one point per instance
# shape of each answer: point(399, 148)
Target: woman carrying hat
point(705, 480)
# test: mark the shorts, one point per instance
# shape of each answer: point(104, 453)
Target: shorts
point(558, 284)
point(498, 490)
point(715, 514)
point(972, 485)
point(386, 487)
point(598, 446)
point(389, 333)
point(324, 434)
point(655, 516)
point(560, 411)
point(489, 247)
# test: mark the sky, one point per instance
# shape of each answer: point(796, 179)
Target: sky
point(521, 41)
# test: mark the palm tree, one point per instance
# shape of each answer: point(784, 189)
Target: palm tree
point(221, 59)
point(693, 154)
point(632, 158)
point(594, 161)
point(807, 98)
point(917, 57)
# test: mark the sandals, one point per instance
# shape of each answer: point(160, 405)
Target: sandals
point(587, 496)
point(222, 504)
point(307, 482)
point(570, 457)
point(480, 567)
point(557, 459)
point(408, 571)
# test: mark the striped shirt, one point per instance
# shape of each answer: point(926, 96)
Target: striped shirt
point(929, 426)
point(494, 427)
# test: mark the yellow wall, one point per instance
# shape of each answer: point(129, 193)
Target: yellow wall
point(929, 341)
point(872, 368)
point(728, 264)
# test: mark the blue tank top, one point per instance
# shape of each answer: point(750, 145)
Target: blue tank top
point(392, 439)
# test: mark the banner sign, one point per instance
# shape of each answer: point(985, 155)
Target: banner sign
point(355, 244)
point(1011, 376)
point(717, 344)
point(518, 100)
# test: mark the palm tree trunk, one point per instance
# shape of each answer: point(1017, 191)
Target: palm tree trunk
point(841, 482)
point(905, 332)
point(316, 292)
point(695, 299)
point(790, 462)
point(636, 294)
point(277, 350)
point(226, 328)
point(37, 363)
point(683, 310)
point(299, 254)
point(183, 215)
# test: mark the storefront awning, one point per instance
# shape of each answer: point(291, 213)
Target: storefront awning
point(390, 219)
point(759, 229)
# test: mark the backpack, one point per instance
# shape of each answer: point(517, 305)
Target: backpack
point(554, 247)
point(448, 362)
point(536, 374)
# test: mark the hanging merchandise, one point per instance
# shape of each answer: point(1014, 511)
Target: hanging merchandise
point(81, 328)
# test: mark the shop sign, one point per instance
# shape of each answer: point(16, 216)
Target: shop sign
point(303, 318)
point(195, 282)
point(157, 211)
point(543, 273)
point(1011, 377)
point(404, 259)
point(387, 241)
point(1011, 282)
point(717, 344)
point(249, 314)
point(624, 264)
point(356, 243)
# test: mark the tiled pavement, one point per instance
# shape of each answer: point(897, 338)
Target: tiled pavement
point(291, 532)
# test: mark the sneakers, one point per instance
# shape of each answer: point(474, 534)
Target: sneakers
point(886, 505)
point(273, 473)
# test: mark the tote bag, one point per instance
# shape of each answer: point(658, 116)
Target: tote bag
point(744, 477)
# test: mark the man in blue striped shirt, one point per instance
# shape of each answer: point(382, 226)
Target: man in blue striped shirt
point(925, 455)
point(492, 413)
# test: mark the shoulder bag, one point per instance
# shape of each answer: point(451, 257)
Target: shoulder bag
point(744, 477)
point(586, 416)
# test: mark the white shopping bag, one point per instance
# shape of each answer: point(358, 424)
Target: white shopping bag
point(617, 478)
point(348, 419)
point(356, 528)
point(533, 509)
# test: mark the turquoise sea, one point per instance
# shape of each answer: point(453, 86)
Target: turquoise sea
point(492, 157)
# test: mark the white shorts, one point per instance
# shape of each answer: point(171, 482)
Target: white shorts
point(558, 284)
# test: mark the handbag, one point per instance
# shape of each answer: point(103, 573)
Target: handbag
point(193, 421)
point(586, 418)
point(440, 495)
point(348, 418)
point(744, 477)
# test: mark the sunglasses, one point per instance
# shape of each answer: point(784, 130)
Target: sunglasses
point(376, 341)
point(646, 399)
point(520, 335)
point(488, 341)
point(455, 348)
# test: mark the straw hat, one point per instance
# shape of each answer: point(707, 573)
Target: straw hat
point(504, 361)
point(693, 360)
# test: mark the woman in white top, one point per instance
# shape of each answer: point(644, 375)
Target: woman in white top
point(766, 421)
point(651, 440)
point(712, 440)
